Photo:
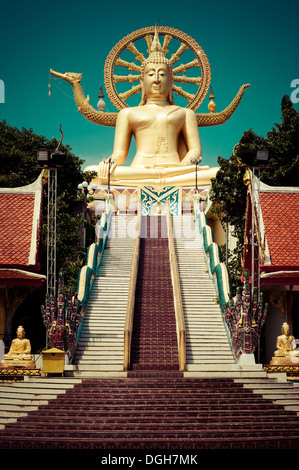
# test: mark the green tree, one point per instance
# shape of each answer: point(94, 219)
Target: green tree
point(19, 167)
point(228, 191)
point(228, 194)
point(283, 145)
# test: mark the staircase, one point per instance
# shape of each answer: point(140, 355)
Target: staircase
point(17, 399)
point(153, 406)
point(154, 340)
point(206, 336)
point(155, 413)
point(100, 349)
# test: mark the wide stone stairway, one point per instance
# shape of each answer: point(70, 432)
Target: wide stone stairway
point(155, 413)
point(206, 336)
point(101, 344)
point(154, 340)
point(153, 405)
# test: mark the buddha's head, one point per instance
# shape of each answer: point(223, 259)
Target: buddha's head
point(285, 329)
point(158, 69)
point(20, 332)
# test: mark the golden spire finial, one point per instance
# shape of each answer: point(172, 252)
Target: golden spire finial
point(156, 46)
point(156, 52)
point(156, 56)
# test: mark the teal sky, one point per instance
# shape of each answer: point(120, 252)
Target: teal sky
point(252, 42)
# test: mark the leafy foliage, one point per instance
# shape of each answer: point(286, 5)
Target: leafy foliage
point(19, 167)
point(283, 146)
point(228, 191)
point(228, 194)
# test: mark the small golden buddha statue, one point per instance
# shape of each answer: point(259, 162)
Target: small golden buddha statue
point(167, 137)
point(286, 345)
point(20, 350)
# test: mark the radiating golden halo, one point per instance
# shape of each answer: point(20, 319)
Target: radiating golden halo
point(187, 43)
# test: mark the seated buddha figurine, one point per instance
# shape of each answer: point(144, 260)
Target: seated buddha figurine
point(167, 137)
point(20, 350)
point(286, 345)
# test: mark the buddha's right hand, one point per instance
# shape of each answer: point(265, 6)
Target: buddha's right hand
point(105, 167)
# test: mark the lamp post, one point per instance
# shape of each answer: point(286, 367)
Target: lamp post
point(251, 158)
point(196, 162)
point(85, 189)
point(50, 162)
point(43, 157)
point(260, 155)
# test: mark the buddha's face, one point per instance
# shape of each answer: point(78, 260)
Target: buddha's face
point(156, 81)
point(285, 329)
point(20, 333)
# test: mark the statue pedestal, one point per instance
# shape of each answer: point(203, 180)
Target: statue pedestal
point(28, 364)
point(291, 360)
point(280, 365)
point(17, 372)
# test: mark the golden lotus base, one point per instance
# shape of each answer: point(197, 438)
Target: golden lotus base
point(17, 365)
point(13, 373)
point(284, 360)
point(290, 369)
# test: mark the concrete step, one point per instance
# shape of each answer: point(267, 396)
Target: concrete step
point(206, 335)
point(104, 320)
point(19, 398)
point(100, 353)
point(281, 393)
point(104, 348)
point(95, 367)
point(236, 371)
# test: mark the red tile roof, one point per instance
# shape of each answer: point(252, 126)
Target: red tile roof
point(16, 216)
point(19, 277)
point(20, 211)
point(280, 216)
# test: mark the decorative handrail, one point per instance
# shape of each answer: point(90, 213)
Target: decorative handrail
point(131, 299)
point(245, 317)
point(103, 236)
point(218, 271)
point(88, 272)
point(93, 260)
point(178, 305)
point(84, 284)
point(92, 256)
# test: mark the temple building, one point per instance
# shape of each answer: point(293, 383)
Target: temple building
point(20, 249)
point(153, 351)
point(275, 262)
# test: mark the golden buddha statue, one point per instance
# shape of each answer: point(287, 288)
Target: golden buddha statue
point(168, 147)
point(20, 350)
point(162, 131)
point(286, 346)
